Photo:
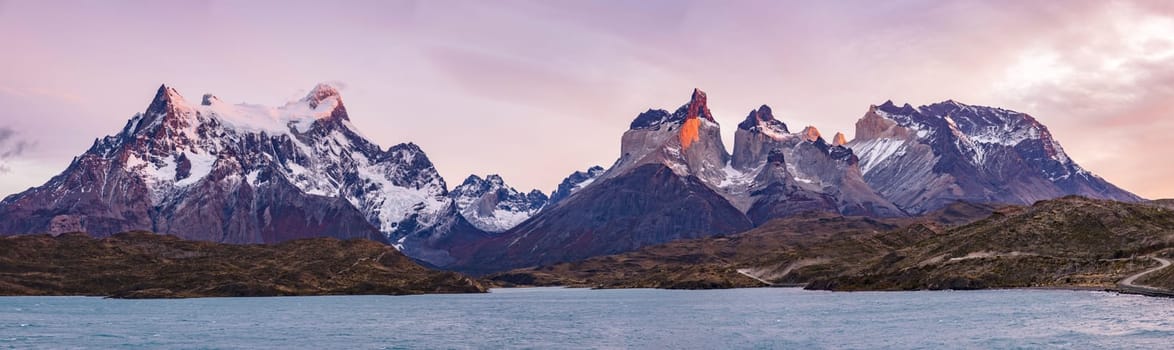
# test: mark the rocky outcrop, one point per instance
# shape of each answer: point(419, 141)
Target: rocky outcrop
point(756, 136)
point(781, 174)
point(839, 139)
point(574, 182)
point(688, 141)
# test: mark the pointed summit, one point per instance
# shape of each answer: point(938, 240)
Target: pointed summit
point(321, 93)
point(327, 97)
point(495, 179)
point(654, 118)
point(839, 139)
point(166, 99)
point(697, 106)
point(892, 108)
point(763, 117)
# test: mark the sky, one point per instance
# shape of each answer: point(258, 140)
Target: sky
point(534, 90)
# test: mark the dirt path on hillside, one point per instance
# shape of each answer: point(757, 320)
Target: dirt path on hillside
point(1129, 285)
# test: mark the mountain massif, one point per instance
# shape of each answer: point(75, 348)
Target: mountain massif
point(241, 173)
point(238, 173)
point(923, 158)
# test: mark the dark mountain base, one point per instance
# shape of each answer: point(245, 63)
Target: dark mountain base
point(649, 205)
point(146, 265)
point(1071, 242)
point(711, 262)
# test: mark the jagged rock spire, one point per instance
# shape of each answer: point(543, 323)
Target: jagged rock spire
point(697, 106)
point(810, 133)
point(839, 139)
point(165, 101)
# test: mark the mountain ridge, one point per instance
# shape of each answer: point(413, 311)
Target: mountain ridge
point(254, 174)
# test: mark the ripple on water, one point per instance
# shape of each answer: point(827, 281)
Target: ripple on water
point(576, 318)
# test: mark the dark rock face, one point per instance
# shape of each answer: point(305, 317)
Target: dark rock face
point(757, 136)
point(924, 158)
point(651, 119)
point(649, 205)
point(762, 118)
point(655, 118)
point(778, 195)
point(574, 182)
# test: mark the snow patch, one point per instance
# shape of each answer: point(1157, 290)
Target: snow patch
point(735, 178)
point(875, 152)
point(201, 167)
point(499, 220)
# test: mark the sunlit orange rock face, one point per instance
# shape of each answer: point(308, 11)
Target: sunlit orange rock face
point(689, 132)
point(839, 140)
point(691, 128)
point(810, 133)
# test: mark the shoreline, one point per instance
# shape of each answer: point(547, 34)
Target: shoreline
point(1155, 294)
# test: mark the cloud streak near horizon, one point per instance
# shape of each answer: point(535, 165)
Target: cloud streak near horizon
point(11, 147)
point(534, 90)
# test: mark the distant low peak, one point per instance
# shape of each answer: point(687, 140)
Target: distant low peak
point(495, 179)
point(473, 179)
point(892, 108)
point(209, 99)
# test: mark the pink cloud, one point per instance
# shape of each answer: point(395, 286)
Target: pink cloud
point(537, 67)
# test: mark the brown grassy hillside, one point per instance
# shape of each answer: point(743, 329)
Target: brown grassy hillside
point(146, 265)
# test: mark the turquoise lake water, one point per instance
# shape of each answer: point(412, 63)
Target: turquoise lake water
point(544, 318)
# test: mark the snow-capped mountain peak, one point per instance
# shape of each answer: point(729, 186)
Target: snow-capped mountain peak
point(762, 121)
point(575, 182)
point(322, 93)
point(492, 206)
point(166, 99)
point(176, 149)
point(957, 151)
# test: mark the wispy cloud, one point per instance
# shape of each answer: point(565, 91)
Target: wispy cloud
point(11, 146)
point(1108, 84)
point(1098, 73)
point(42, 93)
